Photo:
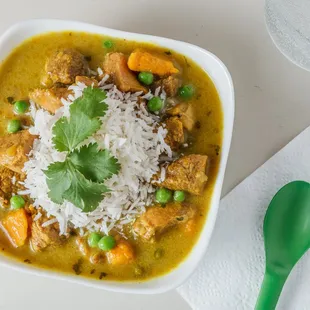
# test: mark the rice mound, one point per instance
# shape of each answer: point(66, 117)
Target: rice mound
point(133, 135)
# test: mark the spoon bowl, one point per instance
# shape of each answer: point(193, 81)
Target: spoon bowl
point(287, 238)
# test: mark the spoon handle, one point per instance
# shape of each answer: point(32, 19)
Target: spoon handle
point(270, 291)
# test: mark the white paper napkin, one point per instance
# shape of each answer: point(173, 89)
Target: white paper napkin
point(231, 273)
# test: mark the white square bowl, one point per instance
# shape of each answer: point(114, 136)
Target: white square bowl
point(222, 80)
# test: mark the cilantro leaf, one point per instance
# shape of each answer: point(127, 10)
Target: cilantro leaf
point(79, 178)
point(91, 103)
point(58, 180)
point(83, 121)
point(84, 193)
point(69, 133)
point(96, 165)
point(66, 182)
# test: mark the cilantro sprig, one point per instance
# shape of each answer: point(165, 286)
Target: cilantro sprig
point(65, 181)
point(83, 122)
point(80, 178)
point(93, 164)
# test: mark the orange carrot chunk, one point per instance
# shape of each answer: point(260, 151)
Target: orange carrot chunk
point(15, 225)
point(121, 254)
point(140, 60)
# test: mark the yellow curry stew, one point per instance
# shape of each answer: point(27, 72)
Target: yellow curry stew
point(109, 151)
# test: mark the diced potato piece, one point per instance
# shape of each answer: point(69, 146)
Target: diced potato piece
point(140, 60)
point(122, 254)
point(15, 225)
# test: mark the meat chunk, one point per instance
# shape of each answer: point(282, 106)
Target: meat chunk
point(65, 64)
point(7, 187)
point(141, 100)
point(122, 254)
point(175, 135)
point(115, 64)
point(156, 220)
point(170, 85)
point(83, 246)
point(186, 114)
point(190, 228)
point(49, 99)
point(86, 80)
point(141, 60)
point(187, 173)
point(14, 149)
point(42, 237)
point(95, 256)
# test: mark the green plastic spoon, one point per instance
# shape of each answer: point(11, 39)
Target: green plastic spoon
point(287, 238)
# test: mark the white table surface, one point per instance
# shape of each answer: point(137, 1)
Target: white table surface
point(272, 106)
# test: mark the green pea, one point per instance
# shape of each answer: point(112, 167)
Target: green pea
point(179, 196)
point(146, 78)
point(186, 92)
point(21, 106)
point(17, 202)
point(106, 243)
point(155, 104)
point(108, 44)
point(163, 195)
point(93, 239)
point(14, 125)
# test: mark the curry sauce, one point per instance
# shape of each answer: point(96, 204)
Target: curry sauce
point(23, 71)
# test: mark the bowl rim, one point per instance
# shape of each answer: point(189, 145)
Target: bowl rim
point(23, 30)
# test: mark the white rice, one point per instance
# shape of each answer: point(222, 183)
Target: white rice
point(128, 131)
point(38, 216)
point(49, 222)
